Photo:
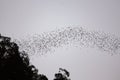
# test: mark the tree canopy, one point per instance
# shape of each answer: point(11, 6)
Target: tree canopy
point(15, 65)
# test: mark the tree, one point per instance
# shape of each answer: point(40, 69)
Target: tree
point(15, 65)
point(63, 74)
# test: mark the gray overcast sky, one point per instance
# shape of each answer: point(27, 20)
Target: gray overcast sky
point(22, 17)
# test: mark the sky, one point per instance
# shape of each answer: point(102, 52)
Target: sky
point(20, 18)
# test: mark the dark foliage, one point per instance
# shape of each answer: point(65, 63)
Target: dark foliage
point(63, 74)
point(15, 65)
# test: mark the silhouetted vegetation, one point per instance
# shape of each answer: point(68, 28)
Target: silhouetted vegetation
point(15, 65)
point(63, 74)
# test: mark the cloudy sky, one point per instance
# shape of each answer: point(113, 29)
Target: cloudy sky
point(19, 18)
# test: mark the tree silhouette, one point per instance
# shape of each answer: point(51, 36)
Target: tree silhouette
point(15, 65)
point(63, 74)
